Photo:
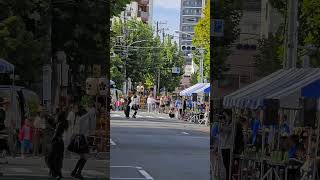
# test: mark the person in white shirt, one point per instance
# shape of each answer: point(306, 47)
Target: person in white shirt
point(149, 103)
point(134, 105)
point(71, 118)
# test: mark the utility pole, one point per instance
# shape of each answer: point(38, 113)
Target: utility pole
point(292, 35)
point(125, 85)
point(201, 65)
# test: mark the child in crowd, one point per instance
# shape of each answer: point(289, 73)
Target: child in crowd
point(171, 113)
point(25, 137)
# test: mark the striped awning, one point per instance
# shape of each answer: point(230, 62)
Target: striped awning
point(275, 86)
point(204, 89)
point(192, 89)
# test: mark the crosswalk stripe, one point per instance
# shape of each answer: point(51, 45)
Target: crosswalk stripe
point(93, 172)
point(20, 170)
point(112, 142)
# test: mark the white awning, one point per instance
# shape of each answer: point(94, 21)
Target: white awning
point(204, 89)
point(192, 89)
point(272, 86)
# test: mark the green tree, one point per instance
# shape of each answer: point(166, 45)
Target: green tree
point(309, 26)
point(194, 78)
point(201, 39)
point(19, 44)
point(171, 57)
point(117, 6)
point(269, 58)
point(144, 63)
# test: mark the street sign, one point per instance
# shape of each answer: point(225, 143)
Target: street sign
point(176, 70)
point(218, 28)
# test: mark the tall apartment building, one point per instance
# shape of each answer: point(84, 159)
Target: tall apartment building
point(140, 9)
point(190, 14)
point(259, 20)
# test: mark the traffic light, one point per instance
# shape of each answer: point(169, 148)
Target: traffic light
point(188, 48)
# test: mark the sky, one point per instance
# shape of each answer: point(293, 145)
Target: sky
point(167, 11)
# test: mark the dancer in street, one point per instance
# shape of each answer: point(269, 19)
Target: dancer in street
point(135, 105)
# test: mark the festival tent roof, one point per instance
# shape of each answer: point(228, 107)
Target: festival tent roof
point(204, 89)
point(192, 89)
point(309, 87)
point(272, 86)
point(5, 66)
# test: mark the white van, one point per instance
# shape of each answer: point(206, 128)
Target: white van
point(19, 108)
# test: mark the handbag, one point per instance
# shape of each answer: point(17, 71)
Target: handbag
point(78, 143)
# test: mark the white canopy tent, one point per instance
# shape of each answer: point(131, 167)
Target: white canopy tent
point(273, 86)
point(189, 91)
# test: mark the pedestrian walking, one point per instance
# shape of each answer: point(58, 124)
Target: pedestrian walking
point(149, 103)
point(127, 106)
point(79, 144)
point(71, 118)
point(25, 137)
point(117, 104)
point(39, 127)
point(161, 104)
point(55, 157)
point(135, 105)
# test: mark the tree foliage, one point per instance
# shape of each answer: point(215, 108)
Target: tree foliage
point(18, 43)
point(201, 39)
point(308, 32)
point(143, 64)
point(269, 58)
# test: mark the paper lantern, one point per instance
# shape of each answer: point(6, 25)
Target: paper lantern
point(92, 86)
point(103, 90)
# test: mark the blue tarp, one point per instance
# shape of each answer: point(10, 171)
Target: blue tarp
point(312, 90)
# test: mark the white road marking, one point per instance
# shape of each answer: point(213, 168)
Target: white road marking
point(112, 142)
point(149, 117)
point(141, 171)
point(185, 133)
point(129, 178)
point(115, 115)
point(93, 172)
point(20, 170)
point(144, 173)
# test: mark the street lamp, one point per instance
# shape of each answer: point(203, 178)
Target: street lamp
point(201, 50)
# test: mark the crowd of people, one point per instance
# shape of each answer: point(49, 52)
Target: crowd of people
point(174, 107)
point(52, 136)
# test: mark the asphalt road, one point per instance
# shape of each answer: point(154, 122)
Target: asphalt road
point(35, 169)
point(152, 146)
